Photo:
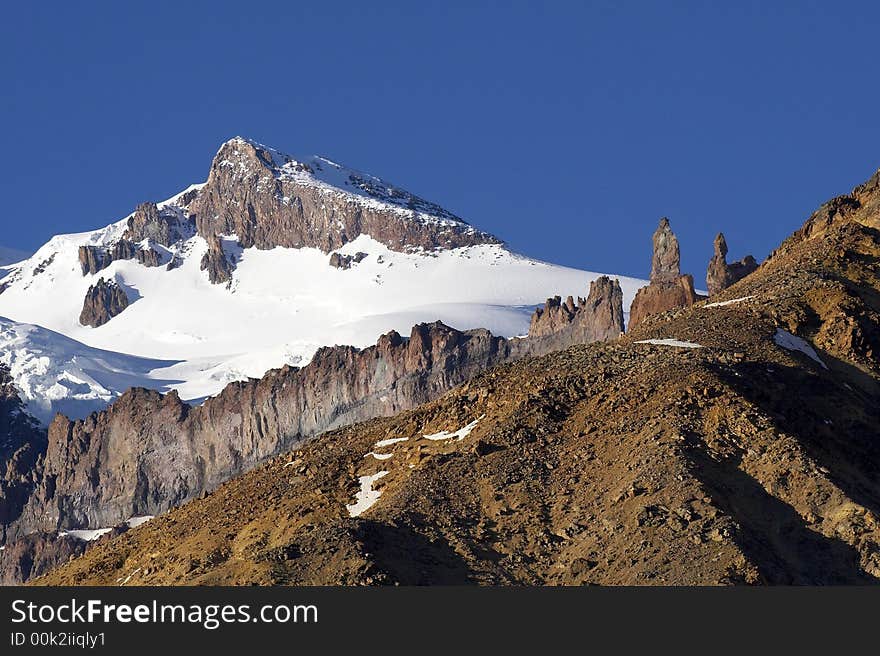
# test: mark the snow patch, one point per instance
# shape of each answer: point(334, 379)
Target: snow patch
point(730, 302)
point(389, 442)
point(670, 342)
point(86, 535)
point(366, 496)
point(379, 456)
point(790, 342)
point(460, 434)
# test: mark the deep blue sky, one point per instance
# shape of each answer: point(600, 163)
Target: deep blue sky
point(567, 129)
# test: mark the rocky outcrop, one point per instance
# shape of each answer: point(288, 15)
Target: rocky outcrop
point(722, 275)
point(217, 262)
point(862, 205)
point(668, 289)
point(104, 300)
point(340, 261)
point(165, 226)
point(598, 317)
point(93, 259)
point(268, 200)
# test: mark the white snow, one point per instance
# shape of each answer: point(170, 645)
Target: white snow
point(791, 342)
point(670, 342)
point(134, 522)
point(730, 302)
point(389, 442)
point(182, 332)
point(86, 535)
point(366, 496)
point(460, 434)
point(379, 456)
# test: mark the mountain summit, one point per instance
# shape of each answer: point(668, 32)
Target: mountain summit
point(269, 259)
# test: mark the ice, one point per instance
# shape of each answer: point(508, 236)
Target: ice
point(389, 442)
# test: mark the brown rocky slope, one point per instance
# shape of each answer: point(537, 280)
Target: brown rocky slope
point(743, 461)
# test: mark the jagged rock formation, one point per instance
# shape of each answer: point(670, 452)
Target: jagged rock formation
point(163, 226)
point(165, 452)
point(668, 289)
point(104, 300)
point(217, 262)
point(267, 199)
point(741, 462)
point(599, 317)
point(94, 259)
point(340, 261)
point(722, 275)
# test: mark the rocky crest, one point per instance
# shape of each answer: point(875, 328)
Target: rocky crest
point(668, 289)
point(722, 275)
point(599, 317)
point(268, 199)
point(104, 300)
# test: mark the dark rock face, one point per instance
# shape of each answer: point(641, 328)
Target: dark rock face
point(668, 288)
point(722, 275)
point(247, 195)
point(345, 261)
point(104, 300)
point(216, 261)
point(93, 259)
point(599, 317)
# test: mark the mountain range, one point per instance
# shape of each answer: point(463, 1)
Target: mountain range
point(296, 373)
point(268, 260)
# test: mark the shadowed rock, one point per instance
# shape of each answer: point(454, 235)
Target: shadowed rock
point(216, 262)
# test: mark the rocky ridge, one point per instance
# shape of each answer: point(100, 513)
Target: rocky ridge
point(165, 451)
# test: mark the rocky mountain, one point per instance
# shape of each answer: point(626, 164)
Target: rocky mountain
point(270, 259)
point(721, 275)
point(150, 452)
point(724, 442)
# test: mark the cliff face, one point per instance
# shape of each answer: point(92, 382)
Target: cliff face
point(668, 289)
point(267, 199)
point(104, 300)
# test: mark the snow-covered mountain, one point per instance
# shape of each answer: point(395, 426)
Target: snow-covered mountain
point(271, 258)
